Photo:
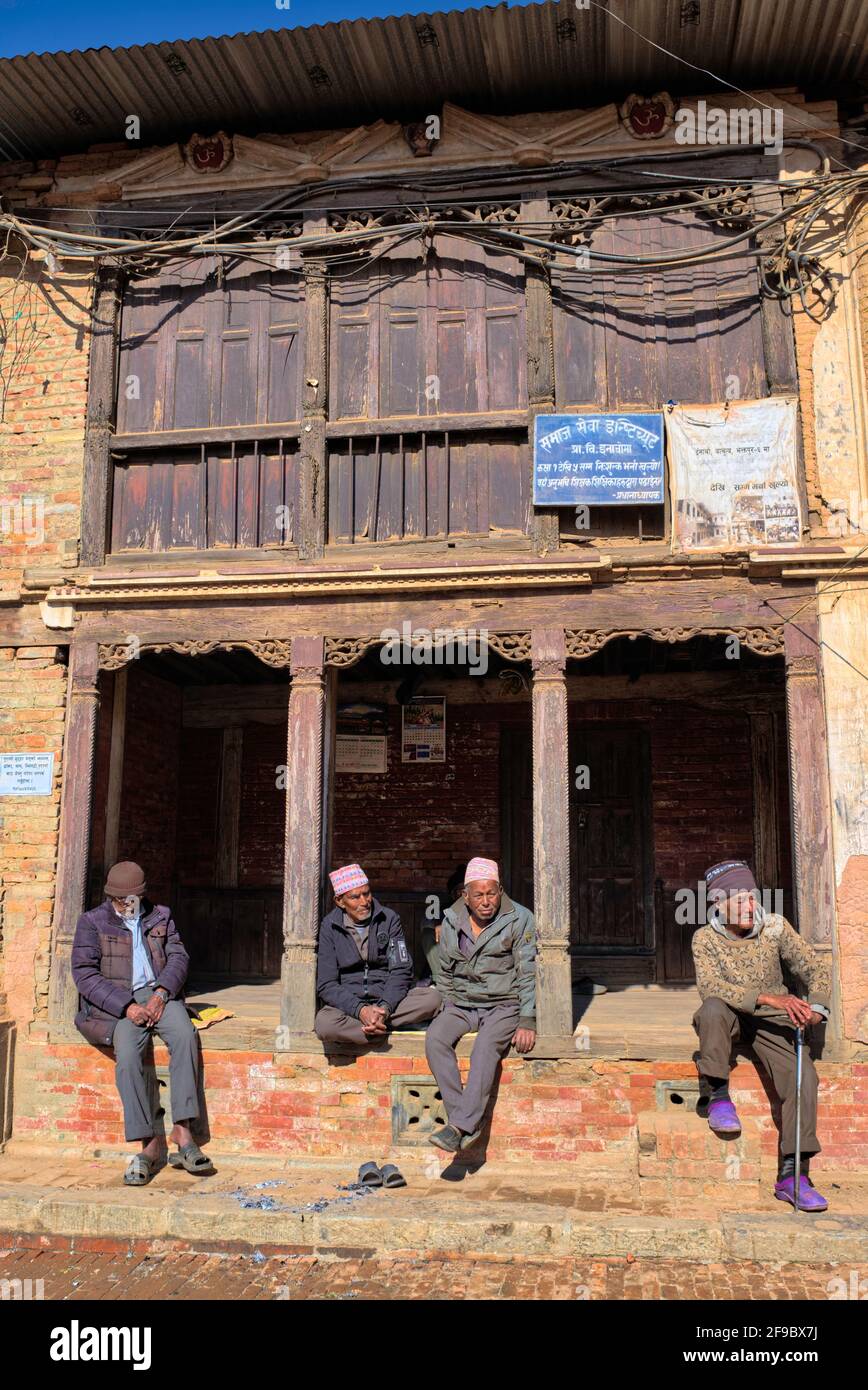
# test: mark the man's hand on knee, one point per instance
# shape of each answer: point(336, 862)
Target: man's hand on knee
point(795, 1008)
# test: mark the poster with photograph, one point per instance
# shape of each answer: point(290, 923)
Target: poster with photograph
point(734, 475)
point(423, 730)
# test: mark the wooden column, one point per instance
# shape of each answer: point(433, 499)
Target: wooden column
point(311, 533)
point(301, 879)
point(813, 863)
point(100, 422)
point(116, 768)
point(540, 363)
point(551, 832)
point(330, 723)
point(766, 830)
point(79, 746)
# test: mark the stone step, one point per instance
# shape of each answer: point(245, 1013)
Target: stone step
point(677, 1145)
point(393, 1221)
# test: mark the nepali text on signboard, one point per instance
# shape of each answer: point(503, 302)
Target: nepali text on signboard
point(598, 460)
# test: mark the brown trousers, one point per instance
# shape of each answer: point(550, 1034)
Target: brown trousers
point(332, 1025)
point(720, 1027)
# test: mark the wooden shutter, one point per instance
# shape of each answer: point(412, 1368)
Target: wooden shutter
point(429, 335)
point(204, 345)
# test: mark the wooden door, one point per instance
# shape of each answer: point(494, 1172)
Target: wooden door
point(516, 792)
point(610, 841)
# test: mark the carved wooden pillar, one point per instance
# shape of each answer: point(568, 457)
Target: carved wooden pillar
point(312, 460)
point(99, 427)
point(813, 863)
point(79, 744)
point(551, 832)
point(540, 364)
point(301, 876)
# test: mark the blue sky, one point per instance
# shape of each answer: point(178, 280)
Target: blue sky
point(50, 26)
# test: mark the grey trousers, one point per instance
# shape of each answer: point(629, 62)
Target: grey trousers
point(332, 1025)
point(136, 1090)
point(719, 1027)
point(495, 1027)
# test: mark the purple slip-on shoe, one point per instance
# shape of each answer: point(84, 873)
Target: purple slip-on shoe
point(723, 1117)
point(809, 1198)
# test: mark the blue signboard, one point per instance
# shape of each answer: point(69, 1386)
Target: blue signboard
point(598, 460)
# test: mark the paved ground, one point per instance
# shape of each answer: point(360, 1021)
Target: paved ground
point(72, 1271)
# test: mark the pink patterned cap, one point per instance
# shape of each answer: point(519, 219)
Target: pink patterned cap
point(479, 869)
point(350, 876)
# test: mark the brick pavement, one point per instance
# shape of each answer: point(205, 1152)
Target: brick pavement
point(81, 1268)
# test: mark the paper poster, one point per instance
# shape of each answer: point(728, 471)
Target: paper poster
point(598, 460)
point(423, 730)
point(733, 473)
point(26, 774)
point(360, 753)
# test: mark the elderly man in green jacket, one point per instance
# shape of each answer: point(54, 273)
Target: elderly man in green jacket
point(485, 970)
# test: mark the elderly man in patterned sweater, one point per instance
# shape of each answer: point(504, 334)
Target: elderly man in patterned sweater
point(738, 958)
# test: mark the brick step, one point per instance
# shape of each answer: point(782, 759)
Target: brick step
point(678, 1146)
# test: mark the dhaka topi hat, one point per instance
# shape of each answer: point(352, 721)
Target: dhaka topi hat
point(349, 877)
point(478, 870)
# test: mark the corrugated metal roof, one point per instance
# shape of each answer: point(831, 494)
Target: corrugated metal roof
point(488, 59)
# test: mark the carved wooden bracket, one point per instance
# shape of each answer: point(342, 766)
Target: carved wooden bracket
point(729, 206)
point(347, 651)
point(113, 655)
point(765, 641)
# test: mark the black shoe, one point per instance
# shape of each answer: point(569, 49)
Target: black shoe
point(446, 1138)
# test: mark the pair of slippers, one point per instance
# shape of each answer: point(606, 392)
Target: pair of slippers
point(370, 1175)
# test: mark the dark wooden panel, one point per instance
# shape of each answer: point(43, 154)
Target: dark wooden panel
point(427, 337)
point(425, 486)
point(611, 853)
point(202, 347)
point(230, 496)
point(232, 932)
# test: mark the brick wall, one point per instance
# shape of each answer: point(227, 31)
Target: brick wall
point(574, 1110)
point(33, 685)
point(411, 827)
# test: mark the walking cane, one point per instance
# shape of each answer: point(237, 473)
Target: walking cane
point(797, 1180)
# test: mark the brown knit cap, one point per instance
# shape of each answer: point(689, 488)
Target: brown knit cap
point(124, 880)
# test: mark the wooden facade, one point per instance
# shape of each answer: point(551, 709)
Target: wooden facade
point(289, 453)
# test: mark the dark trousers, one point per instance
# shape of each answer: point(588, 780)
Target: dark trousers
point(495, 1028)
point(135, 1088)
point(333, 1025)
point(720, 1027)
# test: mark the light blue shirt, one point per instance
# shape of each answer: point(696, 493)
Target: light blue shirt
point(143, 970)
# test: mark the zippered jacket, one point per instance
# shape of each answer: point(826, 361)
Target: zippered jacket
point(500, 969)
point(349, 983)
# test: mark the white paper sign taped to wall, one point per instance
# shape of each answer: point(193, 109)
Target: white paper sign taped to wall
point(734, 475)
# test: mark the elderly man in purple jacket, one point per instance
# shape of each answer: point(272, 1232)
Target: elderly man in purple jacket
point(130, 967)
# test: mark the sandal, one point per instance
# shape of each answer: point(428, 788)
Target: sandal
point(370, 1175)
point(392, 1177)
point(140, 1169)
point(191, 1158)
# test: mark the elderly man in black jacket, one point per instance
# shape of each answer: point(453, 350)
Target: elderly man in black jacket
point(364, 971)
